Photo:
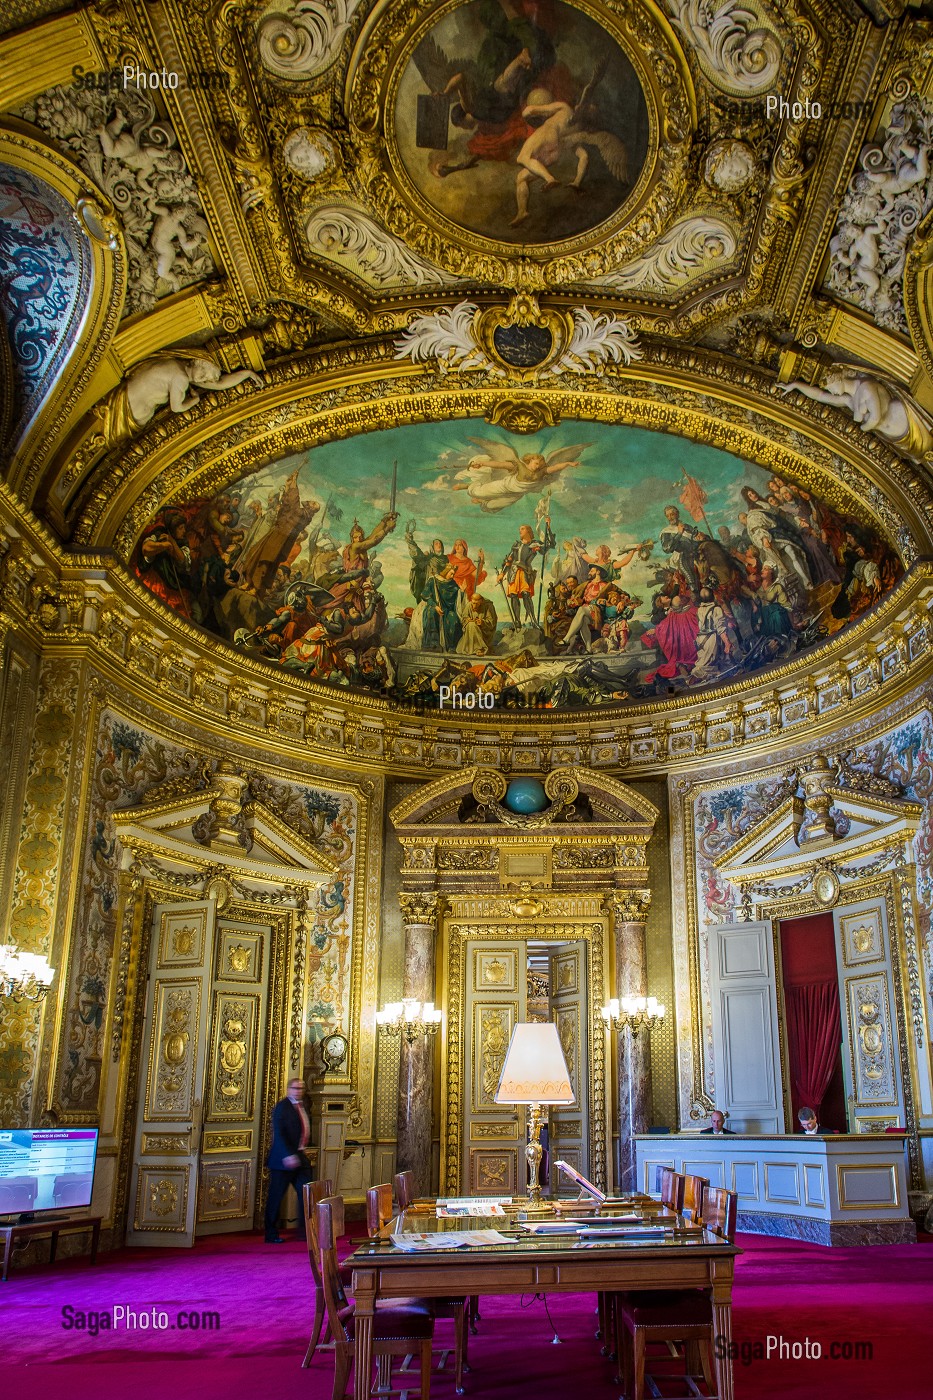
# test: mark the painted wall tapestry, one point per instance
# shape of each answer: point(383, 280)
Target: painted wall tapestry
point(42, 255)
point(521, 120)
point(596, 564)
point(129, 764)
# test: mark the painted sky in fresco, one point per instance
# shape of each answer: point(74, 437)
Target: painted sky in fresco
point(616, 496)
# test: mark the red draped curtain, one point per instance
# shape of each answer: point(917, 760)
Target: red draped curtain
point(813, 1018)
point(814, 1031)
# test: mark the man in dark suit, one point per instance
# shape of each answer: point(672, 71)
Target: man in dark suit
point(811, 1124)
point(719, 1129)
point(287, 1163)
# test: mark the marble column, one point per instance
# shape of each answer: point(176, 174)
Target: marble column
point(416, 1061)
point(629, 912)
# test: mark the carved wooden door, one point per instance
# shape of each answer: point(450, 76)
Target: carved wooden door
point(493, 1146)
point(232, 1127)
point(164, 1184)
point(199, 1128)
point(568, 1130)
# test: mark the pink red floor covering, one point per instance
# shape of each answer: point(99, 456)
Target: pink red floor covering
point(803, 1296)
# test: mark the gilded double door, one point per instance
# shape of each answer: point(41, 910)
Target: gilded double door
point(497, 996)
point(198, 1130)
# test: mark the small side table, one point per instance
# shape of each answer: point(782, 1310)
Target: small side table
point(12, 1234)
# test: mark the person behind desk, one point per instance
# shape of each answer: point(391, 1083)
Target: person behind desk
point(718, 1120)
point(287, 1163)
point(811, 1125)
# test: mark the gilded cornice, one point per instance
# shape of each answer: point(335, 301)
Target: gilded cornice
point(360, 388)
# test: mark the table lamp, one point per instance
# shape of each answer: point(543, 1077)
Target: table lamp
point(534, 1073)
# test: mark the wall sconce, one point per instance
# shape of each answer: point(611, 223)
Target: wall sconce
point(411, 1019)
point(24, 976)
point(633, 1012)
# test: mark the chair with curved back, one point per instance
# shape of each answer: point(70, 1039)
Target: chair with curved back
point(398, 1330)
point(673, 1184)
point(378, 1207)
point(675, 1315)
point(694, 1186)
point(313, 1192)
point(378, 1214)
point(405, 1189)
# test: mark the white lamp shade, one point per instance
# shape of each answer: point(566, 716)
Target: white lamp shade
point(535, 1070)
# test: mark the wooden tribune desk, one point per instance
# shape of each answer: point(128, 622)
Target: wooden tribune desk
point(538, 1264)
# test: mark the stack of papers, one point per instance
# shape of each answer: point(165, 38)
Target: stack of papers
point(413, 1243)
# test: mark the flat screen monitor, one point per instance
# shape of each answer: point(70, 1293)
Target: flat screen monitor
point(46, 1169)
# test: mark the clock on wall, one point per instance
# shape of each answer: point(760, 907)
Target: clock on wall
point(334, 1051)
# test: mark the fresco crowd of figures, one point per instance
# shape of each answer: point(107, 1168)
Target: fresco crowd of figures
point(557, 581)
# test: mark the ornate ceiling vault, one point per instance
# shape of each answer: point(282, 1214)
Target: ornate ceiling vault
point(254, 253)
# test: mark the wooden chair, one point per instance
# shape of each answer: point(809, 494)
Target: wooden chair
point(313, 1192)
point(672, 1189)
point(719, 1211)
point(402, 1330)
point(378, 1208)
point(378, 1213)
point(405, 1189)
point(694, 1186)
point(405, 1195)
point(677, 1315)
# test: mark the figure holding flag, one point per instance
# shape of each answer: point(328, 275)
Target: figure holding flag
point(693, 498)
point(682, 542)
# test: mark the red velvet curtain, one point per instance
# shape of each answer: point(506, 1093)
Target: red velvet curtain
point(813, 1034)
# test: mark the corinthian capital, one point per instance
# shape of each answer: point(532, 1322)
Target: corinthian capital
point(629, 906)
point(419, 906)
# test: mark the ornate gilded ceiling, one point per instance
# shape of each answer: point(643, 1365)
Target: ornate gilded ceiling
point(566, 221)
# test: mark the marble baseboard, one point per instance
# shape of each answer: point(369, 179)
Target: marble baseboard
point(848, 1232)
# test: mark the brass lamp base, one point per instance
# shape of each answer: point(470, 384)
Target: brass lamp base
point(533, 1154)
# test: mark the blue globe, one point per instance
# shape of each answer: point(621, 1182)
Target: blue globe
point(526, 795)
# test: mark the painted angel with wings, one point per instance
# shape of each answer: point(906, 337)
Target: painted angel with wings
point(497, 476)
point(564, 129)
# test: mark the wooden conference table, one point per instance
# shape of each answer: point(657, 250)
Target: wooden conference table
point(542, 1264)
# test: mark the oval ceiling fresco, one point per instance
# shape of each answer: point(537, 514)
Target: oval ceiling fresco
point(588, 565)
point(523, 123)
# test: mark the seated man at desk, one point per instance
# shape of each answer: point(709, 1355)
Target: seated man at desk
point(718, 1121)
point(811, 1124)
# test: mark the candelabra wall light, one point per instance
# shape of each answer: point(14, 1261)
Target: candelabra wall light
point(633, 1012)
point(412, 1019)
point(24, 976)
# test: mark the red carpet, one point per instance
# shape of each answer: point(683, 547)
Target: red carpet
point(879, 1296)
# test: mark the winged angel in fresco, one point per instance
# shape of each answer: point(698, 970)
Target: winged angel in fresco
point(497, 476)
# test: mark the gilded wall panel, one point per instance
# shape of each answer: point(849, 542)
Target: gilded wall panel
point(224, 1191)
point(871, 1040)
point(233, 1071)
point(162, 1199)
point(36, 880)
point(171, 1082)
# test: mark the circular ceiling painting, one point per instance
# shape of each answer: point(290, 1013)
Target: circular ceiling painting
point(588, 565)
point(521, 120)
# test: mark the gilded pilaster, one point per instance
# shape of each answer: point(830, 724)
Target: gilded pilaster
point(420, 911)
point(629, 909)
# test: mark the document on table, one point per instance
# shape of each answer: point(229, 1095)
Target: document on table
point(413, 1243)
point(473, 1205)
